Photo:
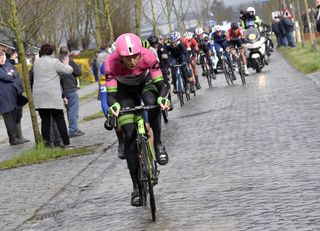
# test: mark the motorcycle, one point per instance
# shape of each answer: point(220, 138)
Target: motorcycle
point(267, 32)
point(256, 48)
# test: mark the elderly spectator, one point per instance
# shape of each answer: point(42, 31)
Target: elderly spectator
point(69, 87)
point(47, 92)
point(9, 90)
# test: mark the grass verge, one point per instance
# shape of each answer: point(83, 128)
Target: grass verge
point(97, 115)
point(41, 153)
point(306, 60)
point(88, 95)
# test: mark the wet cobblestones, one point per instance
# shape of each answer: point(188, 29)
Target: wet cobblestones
point(241, 158)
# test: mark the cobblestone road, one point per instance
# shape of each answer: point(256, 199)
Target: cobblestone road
point(241, 158)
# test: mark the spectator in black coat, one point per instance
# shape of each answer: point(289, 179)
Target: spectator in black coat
point(9, 91)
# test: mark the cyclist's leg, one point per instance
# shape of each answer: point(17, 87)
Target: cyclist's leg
point(149, 97)
point(243, 57)
point(217, 49)
point(185, 74)
point(127, 123)
point(194, 69)
point(224, 46)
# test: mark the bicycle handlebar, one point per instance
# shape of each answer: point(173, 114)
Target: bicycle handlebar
point(178, 65)
point(138, 108)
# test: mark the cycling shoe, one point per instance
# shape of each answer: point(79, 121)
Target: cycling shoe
point(135, 198)
point(161, 155)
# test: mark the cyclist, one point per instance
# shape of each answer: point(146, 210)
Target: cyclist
point(133, 74)
point(154, 47)
point(219, 37)
point(177, 55)
point(202, 39)
point(235, 39)
point(192, 48)
point(249, 18)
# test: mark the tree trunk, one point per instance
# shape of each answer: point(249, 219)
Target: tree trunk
point(25, 72)
point(138, 14)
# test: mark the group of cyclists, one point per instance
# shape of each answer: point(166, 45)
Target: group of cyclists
point(137, 72)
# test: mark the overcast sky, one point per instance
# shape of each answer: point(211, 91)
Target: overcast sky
point(231, 2)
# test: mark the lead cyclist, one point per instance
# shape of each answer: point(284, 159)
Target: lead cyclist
point(133, 74)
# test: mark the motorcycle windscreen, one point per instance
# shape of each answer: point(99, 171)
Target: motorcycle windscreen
point(251, 35)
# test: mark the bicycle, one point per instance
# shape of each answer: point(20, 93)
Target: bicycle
point(240, 65)
point(181, 87)
point(226, 68)
point(208, 69)
point(148, 172)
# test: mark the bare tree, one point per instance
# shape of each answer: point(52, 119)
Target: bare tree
point(167, 8)
point(180, 10)
point(138, 16)
point(154, 19)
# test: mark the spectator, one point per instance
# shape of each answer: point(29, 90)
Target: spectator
point(288, 26)
point(47, 93)
point(11, 56)
point(305, 22)
point(282, 32)
point(276, 31)
point(69, 87)
point(9, 91)
point(94, 69)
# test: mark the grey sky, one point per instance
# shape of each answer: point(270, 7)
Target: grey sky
point(231, 2)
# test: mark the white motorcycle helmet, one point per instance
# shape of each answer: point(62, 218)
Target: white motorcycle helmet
point(251, 9)
point(217, 28)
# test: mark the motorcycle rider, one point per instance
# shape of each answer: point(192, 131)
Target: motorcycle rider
point(248, 17)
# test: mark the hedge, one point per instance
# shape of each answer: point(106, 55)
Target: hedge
point(87, 76)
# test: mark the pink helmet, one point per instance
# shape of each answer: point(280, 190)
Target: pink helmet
point(128, 44)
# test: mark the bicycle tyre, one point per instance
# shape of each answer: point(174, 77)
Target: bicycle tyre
point(241, 72)
point(142, 178)
point(225, 71)
point(208, 75)
point(188, 92)
point(149, 166)
point(180, 90)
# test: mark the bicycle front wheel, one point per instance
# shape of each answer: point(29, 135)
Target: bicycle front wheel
point(225, 71)
point(180, 90)
point(151, 172)
point(208, 75)
point(241, 72)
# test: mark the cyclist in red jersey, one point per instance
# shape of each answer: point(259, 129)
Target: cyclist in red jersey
point(235, 38)
point(192, 48)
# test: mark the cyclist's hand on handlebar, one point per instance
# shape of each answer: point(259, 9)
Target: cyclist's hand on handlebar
point(164, 103)
point(115, 109)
